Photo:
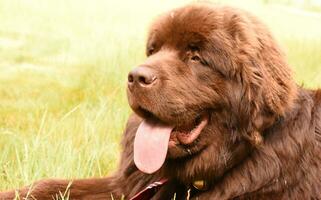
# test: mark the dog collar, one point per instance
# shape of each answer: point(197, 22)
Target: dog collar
point(150, 190)
point(153, 188)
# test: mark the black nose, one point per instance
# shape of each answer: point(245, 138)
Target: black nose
point(141, 76)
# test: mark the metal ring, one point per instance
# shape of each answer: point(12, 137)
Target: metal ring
point(189, 151)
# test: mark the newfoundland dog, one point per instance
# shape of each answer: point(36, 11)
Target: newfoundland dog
point(217, 115)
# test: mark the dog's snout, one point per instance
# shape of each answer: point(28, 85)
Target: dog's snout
point(142, 77)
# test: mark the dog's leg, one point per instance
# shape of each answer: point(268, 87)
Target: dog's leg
point(94, 189)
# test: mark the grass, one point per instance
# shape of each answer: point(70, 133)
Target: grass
point(63, 67)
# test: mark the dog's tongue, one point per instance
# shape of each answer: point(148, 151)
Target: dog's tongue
point(151, 144)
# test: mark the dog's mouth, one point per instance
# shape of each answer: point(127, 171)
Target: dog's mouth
point(187, 135)
point(154, 137)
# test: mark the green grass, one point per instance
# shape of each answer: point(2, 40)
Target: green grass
point(63, 69)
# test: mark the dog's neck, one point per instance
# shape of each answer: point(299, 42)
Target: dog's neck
point(284, 160)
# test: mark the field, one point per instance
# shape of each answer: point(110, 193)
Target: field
point(63, 70)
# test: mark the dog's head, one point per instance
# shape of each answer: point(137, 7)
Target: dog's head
point(213, 81)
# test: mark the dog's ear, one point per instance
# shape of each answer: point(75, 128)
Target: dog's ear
point(268, 89)
point(279, 87)
point(249, 110)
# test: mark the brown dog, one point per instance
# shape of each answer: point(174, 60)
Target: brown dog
point(217, 113)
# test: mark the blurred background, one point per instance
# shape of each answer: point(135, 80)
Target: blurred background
point(63, 71)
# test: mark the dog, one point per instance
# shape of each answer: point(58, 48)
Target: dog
point(217, 115)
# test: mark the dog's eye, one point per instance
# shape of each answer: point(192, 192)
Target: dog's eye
point(150, 51)
point(193, 48)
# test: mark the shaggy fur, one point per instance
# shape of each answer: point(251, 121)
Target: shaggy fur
point(264, 132)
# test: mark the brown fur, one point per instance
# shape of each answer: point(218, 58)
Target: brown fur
point(264, 134)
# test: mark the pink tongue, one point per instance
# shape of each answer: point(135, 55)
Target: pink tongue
point(150, 145)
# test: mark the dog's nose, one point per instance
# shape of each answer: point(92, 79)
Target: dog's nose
point(141, 76)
